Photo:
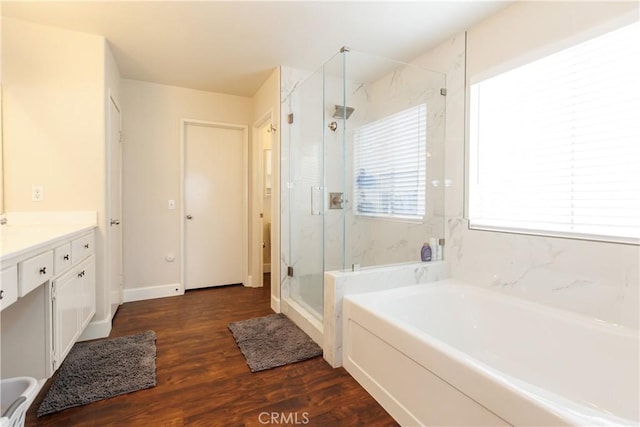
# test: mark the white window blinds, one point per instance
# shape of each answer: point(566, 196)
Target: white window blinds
point(555, 144)
point(390, 165)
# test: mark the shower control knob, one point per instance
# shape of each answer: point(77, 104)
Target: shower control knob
point(336, 200)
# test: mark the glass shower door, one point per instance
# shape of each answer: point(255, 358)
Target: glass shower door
point(306, 195)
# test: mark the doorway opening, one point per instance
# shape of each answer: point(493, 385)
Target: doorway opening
point(262, 200)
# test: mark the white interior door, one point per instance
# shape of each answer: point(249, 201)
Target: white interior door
point(214, 206)
point(115, 207)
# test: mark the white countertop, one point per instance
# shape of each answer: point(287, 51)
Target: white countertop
point(20, 236)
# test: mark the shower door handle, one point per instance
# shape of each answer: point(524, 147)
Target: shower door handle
point(316, 200)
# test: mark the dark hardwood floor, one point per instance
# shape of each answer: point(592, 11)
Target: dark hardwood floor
point(203, 379)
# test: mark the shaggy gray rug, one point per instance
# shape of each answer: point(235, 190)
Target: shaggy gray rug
point(272, 341)
point(102, 369)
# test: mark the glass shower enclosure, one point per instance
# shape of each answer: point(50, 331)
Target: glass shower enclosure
point(362, 171)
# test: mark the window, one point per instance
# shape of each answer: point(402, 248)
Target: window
point(555, 144)
point(389, 165)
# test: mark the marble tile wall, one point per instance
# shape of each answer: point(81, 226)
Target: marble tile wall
point(596, 279)
point(341, 283)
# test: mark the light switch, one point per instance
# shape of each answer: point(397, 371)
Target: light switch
point(172, 204)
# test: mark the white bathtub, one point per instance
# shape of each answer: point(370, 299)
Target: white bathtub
point(448, 354)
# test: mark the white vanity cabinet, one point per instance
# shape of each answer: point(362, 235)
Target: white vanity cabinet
point(62, 258)
point(73, 304)
point(34, 271)
point(48, 295)
point(8, 286)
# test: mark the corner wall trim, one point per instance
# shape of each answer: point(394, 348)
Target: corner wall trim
point(275, 304)
point(96, 329)
point(152, 292)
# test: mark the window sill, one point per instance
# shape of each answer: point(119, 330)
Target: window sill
point(391, 219)
point(557, 234)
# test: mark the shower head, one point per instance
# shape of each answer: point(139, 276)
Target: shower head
point(342, 112)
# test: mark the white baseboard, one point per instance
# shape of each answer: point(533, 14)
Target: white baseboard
point(96, 329)
point(275, 304)
point(152, 292)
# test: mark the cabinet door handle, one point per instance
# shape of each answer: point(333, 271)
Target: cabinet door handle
point(1, 293)
point(43, 270)
point(86, 246)
point(81, 274)
point(66, 257)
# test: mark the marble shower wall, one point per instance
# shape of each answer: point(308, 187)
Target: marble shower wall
point(375, 88)
point(373, 241)
point(592, 278)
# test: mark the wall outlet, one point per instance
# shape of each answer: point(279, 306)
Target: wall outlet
point(37, 193)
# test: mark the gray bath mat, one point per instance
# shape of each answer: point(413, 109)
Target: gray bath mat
point(271, 341)
point(102, 369)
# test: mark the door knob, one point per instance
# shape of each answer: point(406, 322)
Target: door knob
point(114, 222)
point(189, 216)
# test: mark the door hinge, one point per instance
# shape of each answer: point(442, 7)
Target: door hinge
point(290, 118)
point(290, 271)
point(443, 91)
point(54, 361)
point(53, 291)
point(120, 137)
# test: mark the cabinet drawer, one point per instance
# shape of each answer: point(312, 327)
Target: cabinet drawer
point(81, 247)
point(62, 258)
point(34, 272)
point(8, 287)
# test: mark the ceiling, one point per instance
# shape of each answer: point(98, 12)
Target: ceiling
point(232, 46)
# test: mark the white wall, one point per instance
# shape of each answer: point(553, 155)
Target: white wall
point(592, 278)
point(151, 151)
point(54, 116)
point(54, 124)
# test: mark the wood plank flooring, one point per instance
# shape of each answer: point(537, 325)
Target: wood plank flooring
point(203, 379)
